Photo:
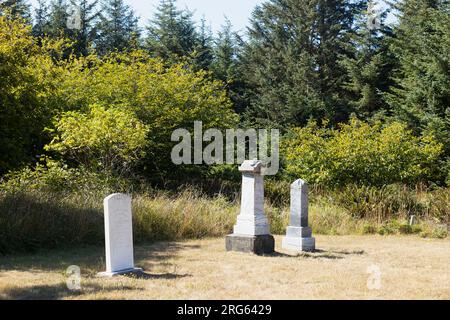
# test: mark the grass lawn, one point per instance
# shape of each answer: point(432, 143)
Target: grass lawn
point(411, 268)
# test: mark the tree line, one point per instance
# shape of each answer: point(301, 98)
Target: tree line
point(298, 60)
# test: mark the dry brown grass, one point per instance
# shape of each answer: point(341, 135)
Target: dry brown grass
point(411, 267)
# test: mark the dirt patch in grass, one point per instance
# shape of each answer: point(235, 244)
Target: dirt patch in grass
point(410, 268)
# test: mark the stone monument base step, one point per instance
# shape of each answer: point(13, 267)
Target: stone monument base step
point(263, 244)
point(299, 244)
point(120, 273)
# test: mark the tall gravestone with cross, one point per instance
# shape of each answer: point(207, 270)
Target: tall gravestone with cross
point(118, 236)
point(299, 234)
point(251, 232)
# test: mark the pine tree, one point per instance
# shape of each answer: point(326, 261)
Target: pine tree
point(41, 19)
point(203, 52)
point(117, 28)
point(57, 23)
point(19, 8)
point(292, 60)
point(86, 34)
point(421, 94)
point(226, 64)
point(172, 33)
point(225, 53)
point(370, 67)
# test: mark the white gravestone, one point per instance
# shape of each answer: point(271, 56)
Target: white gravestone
point(252, 231)
point(118, 236)
point(252, 221)
point(299, 235)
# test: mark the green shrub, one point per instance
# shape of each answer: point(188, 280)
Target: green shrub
point(108, 140)
point(54, 177)
point(277, 192)
point(361, 153)
point(28, 78)
point(405, 228)
point(369, 228)
point(163, 98)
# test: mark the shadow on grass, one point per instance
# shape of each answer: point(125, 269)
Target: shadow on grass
point(317, 254)
point(151, 257)
point(164, 276)
point(56, 291)
point(330, 254)
point(91, 260)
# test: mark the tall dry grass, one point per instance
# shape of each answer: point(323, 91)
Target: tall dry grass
point(32, 219)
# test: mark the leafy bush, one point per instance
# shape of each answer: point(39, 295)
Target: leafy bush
point(28, 78)
point(361, 153)
point(37, 85)
point(163, 98)
point(107, 139)
point(51, 176)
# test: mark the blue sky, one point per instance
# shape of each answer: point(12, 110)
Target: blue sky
point(214, 11)
point(238, 11)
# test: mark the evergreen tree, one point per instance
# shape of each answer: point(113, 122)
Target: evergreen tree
point(172, 33)
point(203, 52)
point(292, 60)
point(57, 23)
point(226, 64)
point(86, 34)
point(117, 28)
point(421, 93)
point(225, 50)
point(19, 8)
point(53, 21)
point(370, 67)
point(41, 19)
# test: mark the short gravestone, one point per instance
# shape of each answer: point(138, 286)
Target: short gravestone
point(299, 235)
point(251, 232)
point(118, 236)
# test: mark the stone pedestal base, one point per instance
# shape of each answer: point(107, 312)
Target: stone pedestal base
point(120, 273)
point(298, 244)
point(263, 244)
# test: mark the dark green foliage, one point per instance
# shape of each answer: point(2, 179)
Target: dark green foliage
point(227, 67)
point(117, 29)
point(57, 22)
point(172, 33)
point(203, 51)
point(16, 8)
point(369, 68)
point(85, 36)
point(421, 45)
point(41, 19)
point(292, 60)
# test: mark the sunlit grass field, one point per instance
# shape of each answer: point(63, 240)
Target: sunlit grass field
point(410, 268)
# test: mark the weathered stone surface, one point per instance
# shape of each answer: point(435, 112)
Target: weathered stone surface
point(263, 244)
point(252, 231)
point(118, 236)
point(301, 232)
point(298, 234)
point(299, 204)
point(252, 220)
point(299, 244)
